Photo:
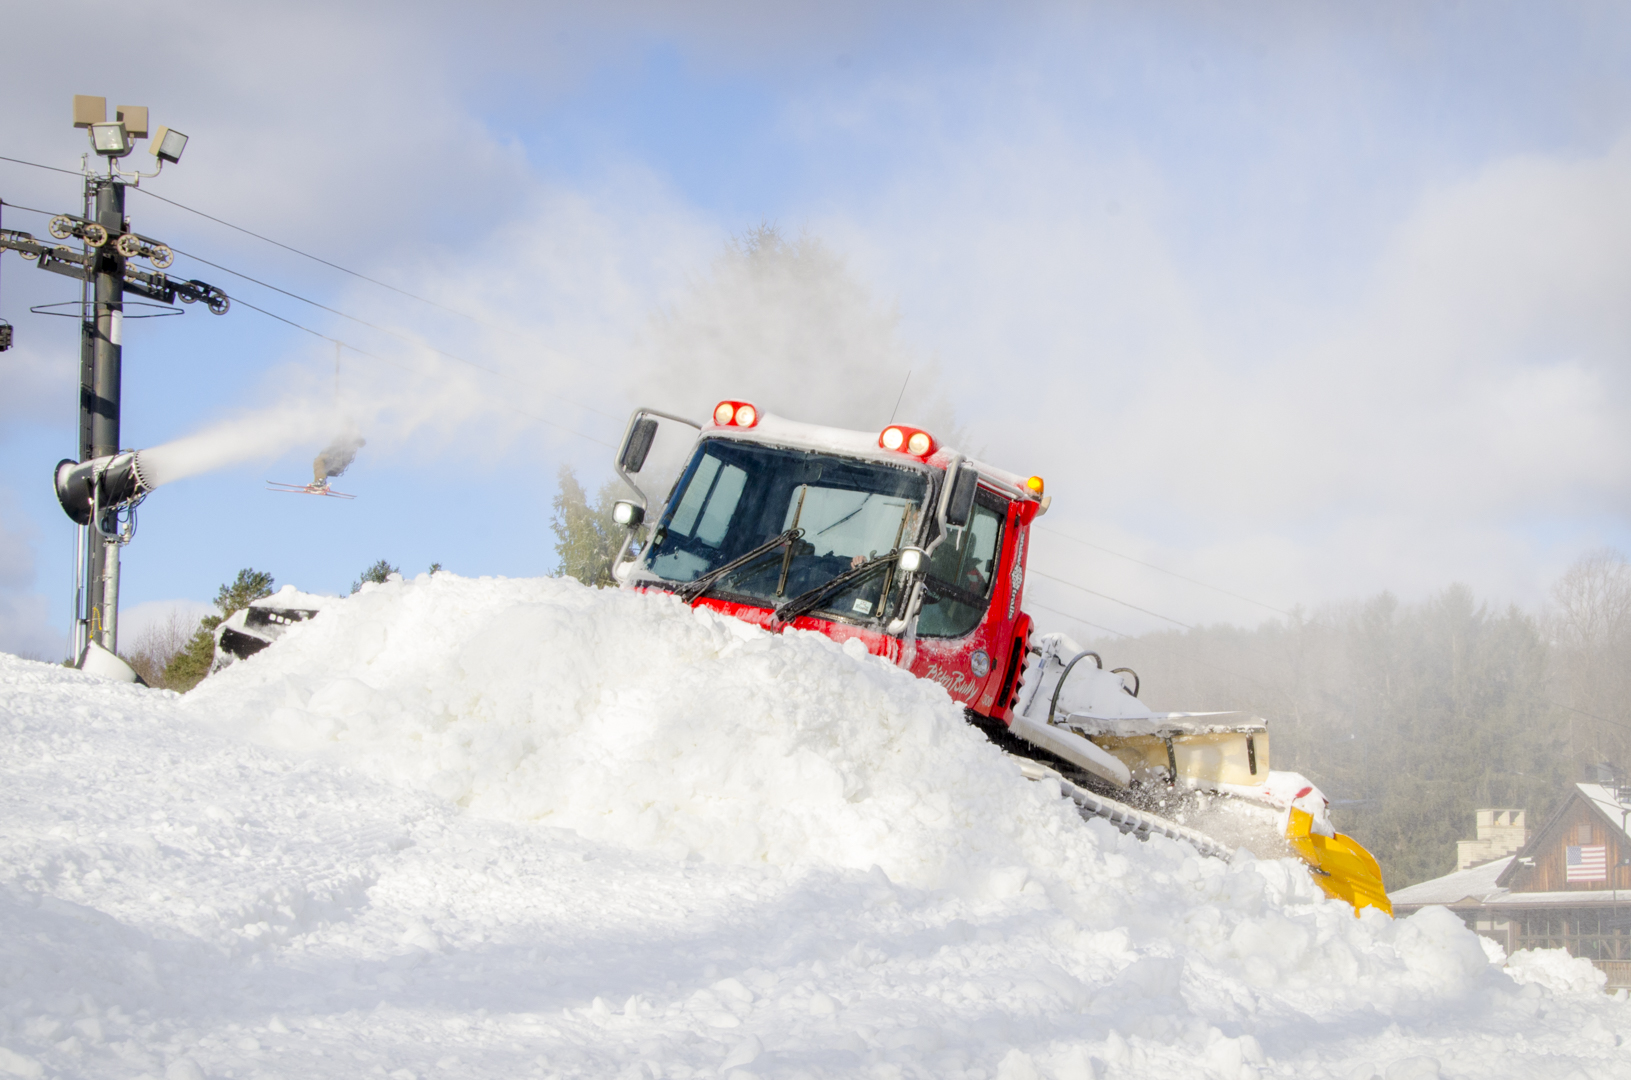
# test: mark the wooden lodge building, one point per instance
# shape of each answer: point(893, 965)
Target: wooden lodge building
point(1566, 886)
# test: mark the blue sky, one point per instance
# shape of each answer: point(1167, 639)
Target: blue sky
point(1306, 300)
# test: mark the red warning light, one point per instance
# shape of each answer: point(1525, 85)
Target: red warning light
point(735, 414)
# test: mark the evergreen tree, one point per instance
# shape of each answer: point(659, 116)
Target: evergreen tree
point(586, 538)
point(189, 666)
point(376, 573)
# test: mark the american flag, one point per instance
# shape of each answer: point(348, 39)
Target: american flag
point(1587, 863)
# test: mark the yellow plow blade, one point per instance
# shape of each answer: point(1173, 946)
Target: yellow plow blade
point(1342, 866)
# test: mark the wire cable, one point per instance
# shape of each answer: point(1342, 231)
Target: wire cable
point(344, 315)
point(304, 254)
point(37, 165)
point(1173, 573)
point(1122, 634)
point(266, 239)
point(30, 209)
point(386, 331)
point(1106, 596)
point(406, 367)
point(1594, 716)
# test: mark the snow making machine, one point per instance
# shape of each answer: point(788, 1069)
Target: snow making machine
point(918, 553)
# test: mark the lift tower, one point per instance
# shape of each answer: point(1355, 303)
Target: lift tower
point(106, 266)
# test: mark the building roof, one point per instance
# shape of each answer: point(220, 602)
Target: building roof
point(1482, 886)
point(1472, 885)
point(1603, 798)
point(1599, 798)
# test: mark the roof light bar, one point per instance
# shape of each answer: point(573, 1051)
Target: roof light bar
point(735, 414)
point(905, 440)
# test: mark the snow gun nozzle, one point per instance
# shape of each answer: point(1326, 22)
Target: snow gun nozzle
point(104, 482)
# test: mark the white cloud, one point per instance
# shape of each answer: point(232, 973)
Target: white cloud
point(1446, 402)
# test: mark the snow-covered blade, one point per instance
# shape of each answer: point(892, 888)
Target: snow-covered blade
point(1070, 708)
point(1342, 866)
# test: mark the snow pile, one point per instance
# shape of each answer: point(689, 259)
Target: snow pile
point(633, 718)
point(520, 828)
point(1556, 970)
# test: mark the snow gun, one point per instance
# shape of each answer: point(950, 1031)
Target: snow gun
point(87, 489)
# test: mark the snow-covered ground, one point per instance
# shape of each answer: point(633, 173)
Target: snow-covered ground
point(497, 828)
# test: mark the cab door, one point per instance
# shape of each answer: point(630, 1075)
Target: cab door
point(964, 627)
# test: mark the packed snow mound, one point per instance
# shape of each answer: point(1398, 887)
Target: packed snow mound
point(178, 901)
point(633, 718)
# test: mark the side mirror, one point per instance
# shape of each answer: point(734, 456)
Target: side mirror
point(961, 503)
point(629, 514)
point(638, 444)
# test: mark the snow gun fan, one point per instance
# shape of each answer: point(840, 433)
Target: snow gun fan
point(88, 488)
point(334, 460)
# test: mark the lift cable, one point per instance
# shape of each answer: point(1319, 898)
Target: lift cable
point(37, 165)
point(1173, 573)
point(405, 367)
point(30, 209)
point(1594, 716)
point(1106, 596)
point(308, 255)
point(388, 332)
point(343, 315)
point(1117, 600)
point(1122, 634)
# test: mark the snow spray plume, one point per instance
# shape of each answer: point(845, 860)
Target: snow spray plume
point(259, 435)
point(336, 458)
point(105, 481)
point(785, 323)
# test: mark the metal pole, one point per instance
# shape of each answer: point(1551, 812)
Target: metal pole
point(99, 418)
point(76, 632)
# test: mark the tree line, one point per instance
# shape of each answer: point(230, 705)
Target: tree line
point(1410, 716)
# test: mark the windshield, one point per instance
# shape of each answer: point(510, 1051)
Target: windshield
point(734, 497)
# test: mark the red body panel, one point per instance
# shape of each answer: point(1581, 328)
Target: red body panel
point(1001, 635)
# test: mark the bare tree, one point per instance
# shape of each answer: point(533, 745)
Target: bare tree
point(1589, 624)
point(151, 650)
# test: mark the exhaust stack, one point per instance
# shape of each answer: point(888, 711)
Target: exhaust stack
point(103, 482)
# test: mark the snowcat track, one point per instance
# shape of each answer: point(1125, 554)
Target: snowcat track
point(1038, 763)
point(1141, 823)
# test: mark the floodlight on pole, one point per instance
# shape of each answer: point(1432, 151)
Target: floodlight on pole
point(110, 139)
point(167, 144)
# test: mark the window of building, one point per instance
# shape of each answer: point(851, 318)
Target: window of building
point(1582, 833)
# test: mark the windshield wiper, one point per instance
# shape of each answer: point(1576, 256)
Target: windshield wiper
point(691, 591)
point(808, 600)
